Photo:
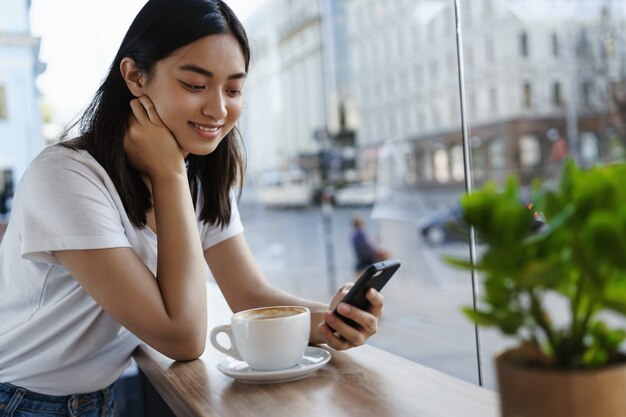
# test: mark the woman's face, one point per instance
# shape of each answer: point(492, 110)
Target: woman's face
point(197, 92)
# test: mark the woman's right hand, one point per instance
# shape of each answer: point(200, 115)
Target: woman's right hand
point(149, 145)
point(168, 313)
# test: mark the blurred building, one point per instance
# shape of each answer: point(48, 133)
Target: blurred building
point(261, 119)
point(536, 81)
point(20, 116)
point(350, 75)
point(300, 110)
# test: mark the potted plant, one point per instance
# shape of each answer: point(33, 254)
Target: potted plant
point(569, 365)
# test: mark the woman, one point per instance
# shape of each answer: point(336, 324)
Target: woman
point(158, 155)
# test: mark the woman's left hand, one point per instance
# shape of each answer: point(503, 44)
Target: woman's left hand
point(345, 336)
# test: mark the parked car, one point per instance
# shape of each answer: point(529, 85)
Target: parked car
point(292, 188)
point(357, 194)
point(447, 226)
point(443, 226)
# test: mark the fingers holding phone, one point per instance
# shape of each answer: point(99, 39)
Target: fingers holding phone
point(340, 295)
point(355, 318)
point(340, 335)
point(376, 300)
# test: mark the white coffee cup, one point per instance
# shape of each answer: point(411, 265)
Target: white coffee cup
point(267, 338)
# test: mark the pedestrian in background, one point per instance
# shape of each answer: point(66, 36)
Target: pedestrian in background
point(83, 277)
point(365, 252)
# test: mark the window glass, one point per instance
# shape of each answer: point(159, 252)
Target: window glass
point(441, 165)
point(530, 151)
point(559, 81)
point(493, 101)
point(496, 154)
point(555, 44)
point(488, 7)
point(542, 84)
point(589, 152)
point(523, 44)
point(489, 49)
point(3, 103)
point(425, 167)
point(557, 98)
point(456, 159)
point(527, 95)
point(478, 158)
point(616, 150)
point(586, 93)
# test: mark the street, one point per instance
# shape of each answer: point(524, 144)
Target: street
point(422, 320)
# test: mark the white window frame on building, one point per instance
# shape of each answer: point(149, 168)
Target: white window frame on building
point(456, 163)
point(4, 105)
point(524, 44)
point(441, 164)
point(527, 95)
point(497, 154)
point(529, 151)
point(555, 44)
point(557, 94)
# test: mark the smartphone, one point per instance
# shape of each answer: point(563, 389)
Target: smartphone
point(375, 276)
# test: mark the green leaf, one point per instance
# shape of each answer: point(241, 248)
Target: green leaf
point(482, 318)
point(476, 209)
point(458, 262)
point(614, 338)
point(605, 342)
point(511, 189)
point(603, 234)
point(595, 356)
point(510, 222)
point(569, 177)
point(499, 292)
point(540, 273)
point(615, 294)
point(580, 254)
point(511, 322)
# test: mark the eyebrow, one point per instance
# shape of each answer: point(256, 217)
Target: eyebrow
point(207, 73)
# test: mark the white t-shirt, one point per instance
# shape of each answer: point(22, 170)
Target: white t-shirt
point(54, 338)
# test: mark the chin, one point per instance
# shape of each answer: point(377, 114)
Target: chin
point(202, 150)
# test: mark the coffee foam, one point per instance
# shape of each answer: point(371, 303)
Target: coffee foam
point(270, 313)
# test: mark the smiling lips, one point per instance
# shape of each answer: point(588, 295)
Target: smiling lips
point(210, 132)
point(203, 128)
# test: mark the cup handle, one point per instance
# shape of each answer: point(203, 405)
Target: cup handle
point(227, 330)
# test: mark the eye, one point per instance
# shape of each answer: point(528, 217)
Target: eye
point(192, 87)
point(233, 93)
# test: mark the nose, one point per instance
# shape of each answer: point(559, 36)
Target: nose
point(215, 106)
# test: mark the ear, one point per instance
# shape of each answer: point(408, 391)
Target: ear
point(132, 76)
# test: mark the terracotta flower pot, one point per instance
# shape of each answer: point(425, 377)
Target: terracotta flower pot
point(527, 392)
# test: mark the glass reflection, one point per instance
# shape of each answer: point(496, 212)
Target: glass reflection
point(559, 70)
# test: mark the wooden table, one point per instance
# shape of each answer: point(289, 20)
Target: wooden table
point(361, 382)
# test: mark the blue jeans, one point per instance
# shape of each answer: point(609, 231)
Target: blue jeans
point(19, 402)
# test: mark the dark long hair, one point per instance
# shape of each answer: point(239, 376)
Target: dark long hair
point(159, 29)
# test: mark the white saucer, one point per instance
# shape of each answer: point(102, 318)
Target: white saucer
point(313, 359)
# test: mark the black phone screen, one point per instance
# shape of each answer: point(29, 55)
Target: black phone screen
point(374, 276)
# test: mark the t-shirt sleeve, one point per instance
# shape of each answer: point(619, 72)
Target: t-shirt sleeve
point(64, 204)
point(212, 235)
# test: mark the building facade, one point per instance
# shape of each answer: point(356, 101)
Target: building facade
point(526, 86)
point(20, 115)
point(298, 94)
point(537, 84)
